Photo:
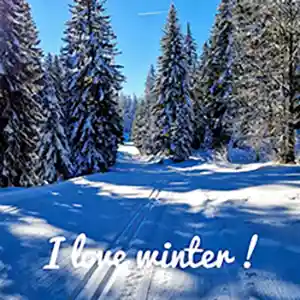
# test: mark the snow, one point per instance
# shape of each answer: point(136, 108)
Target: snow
point(2, 72)
point(141, 205)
